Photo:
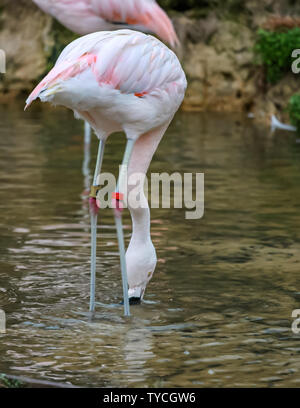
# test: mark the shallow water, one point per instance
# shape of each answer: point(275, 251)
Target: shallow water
point(218, 310)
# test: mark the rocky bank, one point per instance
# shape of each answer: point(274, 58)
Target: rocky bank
point(216, 52)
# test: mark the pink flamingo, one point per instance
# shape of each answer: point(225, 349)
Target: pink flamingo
point(88, 16)
point(120, 81)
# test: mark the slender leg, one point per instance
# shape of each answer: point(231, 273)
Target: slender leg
point(86, 167)
point(87, 155)
point(118, 196)
point(94, 218)
point(87, 133)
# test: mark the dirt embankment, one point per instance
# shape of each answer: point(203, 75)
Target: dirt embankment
point(216, 53)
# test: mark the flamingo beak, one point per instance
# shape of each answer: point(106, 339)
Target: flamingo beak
point(134, 301)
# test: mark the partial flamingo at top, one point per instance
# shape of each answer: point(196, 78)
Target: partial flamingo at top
point(88, 16)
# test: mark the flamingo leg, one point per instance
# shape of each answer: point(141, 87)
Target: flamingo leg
point(86, 167)
point(118, 196)
point(86, 155)
point(87, 133)
point(94, 219)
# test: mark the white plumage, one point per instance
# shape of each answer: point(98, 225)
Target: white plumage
point(133, 79)
point(88, 16)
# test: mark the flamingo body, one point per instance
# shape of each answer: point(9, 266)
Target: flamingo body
point(122, 80)
point(88, 16)
point(129, 81)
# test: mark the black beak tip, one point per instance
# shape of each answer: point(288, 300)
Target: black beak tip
point(133, 301)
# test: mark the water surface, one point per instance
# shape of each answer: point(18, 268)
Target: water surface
point(218, 310)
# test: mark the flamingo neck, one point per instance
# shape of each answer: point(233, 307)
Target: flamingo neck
point(141, 255)
point(140, 225)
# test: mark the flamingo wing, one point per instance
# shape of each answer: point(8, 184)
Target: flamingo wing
point(59, 8)
point(87, 16)
point(125, 60)
point(77, 15)
point(145, 15)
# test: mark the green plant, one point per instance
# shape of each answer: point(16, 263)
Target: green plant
point(9, 383)
point(294, 111)
point(275, 50)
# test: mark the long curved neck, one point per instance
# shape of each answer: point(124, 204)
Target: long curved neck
point(142, 154)
point(141, 257)
point(140, 222)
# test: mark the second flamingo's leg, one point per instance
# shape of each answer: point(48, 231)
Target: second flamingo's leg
point(117, 198)
point(87, 133)
point(94, 218)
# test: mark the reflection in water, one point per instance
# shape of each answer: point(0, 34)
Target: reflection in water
point(218, 310)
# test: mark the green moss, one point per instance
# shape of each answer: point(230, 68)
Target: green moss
point(294, 111)
point(274, 50)
point(9, 383)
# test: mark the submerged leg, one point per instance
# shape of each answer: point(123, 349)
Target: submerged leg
point(94, 217)
point(117, 198)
